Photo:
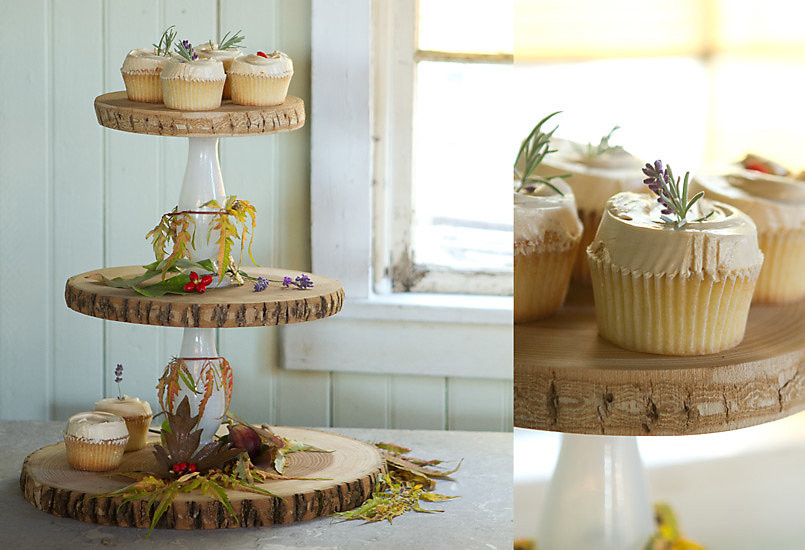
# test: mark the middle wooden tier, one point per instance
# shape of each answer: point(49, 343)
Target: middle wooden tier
point(569, 379)
point(231, 306)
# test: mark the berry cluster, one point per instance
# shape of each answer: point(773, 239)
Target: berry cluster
point(181, 468)
point(197, 284)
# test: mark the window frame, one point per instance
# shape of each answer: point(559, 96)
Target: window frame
point(396, 333)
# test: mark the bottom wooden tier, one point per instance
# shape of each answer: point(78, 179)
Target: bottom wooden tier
point(51, 485)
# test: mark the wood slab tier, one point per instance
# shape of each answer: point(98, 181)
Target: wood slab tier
point(232, 306)
point(569, 379)
point(114, 110)
point(51, 485)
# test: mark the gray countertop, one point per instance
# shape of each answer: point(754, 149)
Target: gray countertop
point(481, 518)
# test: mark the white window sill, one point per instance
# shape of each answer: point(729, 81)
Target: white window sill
point(411, 334)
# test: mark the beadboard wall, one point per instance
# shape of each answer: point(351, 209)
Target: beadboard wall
point(83, 197)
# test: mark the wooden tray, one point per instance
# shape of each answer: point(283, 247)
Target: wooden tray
point(114, 110)
point(568, 379)
point(51, 485)
point(232, 306)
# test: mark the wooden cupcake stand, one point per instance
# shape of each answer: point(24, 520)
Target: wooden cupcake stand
point(345, 476)
point(568, 379)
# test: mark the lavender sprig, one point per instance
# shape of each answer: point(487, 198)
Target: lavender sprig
point(164, 46)
point(533, 150)
point(119, 379)
point(301, 282)
point(672, 197)
point(185, 51)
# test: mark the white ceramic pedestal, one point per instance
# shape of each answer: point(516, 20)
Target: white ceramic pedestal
point(598, 497)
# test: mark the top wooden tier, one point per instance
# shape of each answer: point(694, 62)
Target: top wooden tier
point(115, 111)
point(568, 379)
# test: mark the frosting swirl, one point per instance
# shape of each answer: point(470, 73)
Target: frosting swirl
point(127, 407)
point(633, 237)
point(200, 69)
point(143, 60)
point(773, 202)
point(276, 65)
point(593, 179)
point(99, 426)
point(543, 213)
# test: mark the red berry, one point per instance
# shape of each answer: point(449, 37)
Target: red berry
point(262, 54)
point(192, 468)
point(200, 288)
point(193, 276)
point(190, 287)
point(757, 167)
point(206, 280)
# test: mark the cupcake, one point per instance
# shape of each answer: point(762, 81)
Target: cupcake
point(776, 203)
point(673, 276)
point(547, 233)
point(225, 52)
point(190, 83)
point(594, 173)
point(136, 413)
point(261, 79)
point(94, 441)
point(141, 69)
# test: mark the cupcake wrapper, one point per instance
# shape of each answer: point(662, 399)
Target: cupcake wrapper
point(143, 87)
point(670, 315)
point(581, 268)
point(540, 283)
point(259, 90)
point(138, 431)
point(192, 95)
point(781, 279)
point(94, 456)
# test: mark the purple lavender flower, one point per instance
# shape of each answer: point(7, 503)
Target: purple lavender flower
point(261, 284)
point(302, 282)
point(185, 50)
point(670, 194)
point(119, 379)
point(287, 281)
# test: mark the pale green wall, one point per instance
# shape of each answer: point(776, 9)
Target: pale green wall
point(82, 197)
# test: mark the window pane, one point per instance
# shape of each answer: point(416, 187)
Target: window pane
point(464, 146)
point(471, 26)
point(769, 25)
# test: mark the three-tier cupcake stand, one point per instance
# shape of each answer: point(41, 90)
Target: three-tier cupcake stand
point(570, 380)
point(337, 480)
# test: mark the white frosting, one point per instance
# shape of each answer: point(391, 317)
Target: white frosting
point(632, 236)
point(127, 407)
point(198, 70)
point(144, 60)
point(773, 202)
point(595, 179)
point(207, 52)
point(277, 65)
point(98, 426)
point(535, 216)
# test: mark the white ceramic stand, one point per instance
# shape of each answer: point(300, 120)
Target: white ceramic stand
point(598, 496)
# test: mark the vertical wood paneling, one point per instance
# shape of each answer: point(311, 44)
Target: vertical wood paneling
point(417, 402)
point(25, 233)
point(303, 400)
point(360, 400)
point(477, 405)
point(78, 198)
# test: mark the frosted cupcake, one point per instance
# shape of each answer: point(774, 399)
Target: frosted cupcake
point(190, 83)
point(95, 441)
point(136, 413)
point(776, 203)
point(594, 173)
point(225, 52)
point(261, 79)
point(142, 68)
point(674, 277)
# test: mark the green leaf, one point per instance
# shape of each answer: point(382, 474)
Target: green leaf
point(435, 497)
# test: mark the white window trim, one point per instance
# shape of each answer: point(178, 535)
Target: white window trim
point(419, 334)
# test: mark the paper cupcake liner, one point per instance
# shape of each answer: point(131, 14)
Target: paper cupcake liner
point(259, 90)
point(138, 431)
point(192, 95)
point(581, 268)
point(143, 87)
point(94, 456)
point(541, 279)
point(781, 279)
point(670, 315)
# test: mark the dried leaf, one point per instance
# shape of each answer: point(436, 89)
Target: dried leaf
point(436, 497)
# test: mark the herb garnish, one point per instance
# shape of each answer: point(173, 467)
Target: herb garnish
point(229, 43)
point(533, 150)
point(119, 379)
point(164, 46)
point(671, 196)
point(186, 52)
point(592, 151)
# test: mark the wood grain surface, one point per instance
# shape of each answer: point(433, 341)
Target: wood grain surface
point(51, 485)
point(232, 306)
point(568, 379)
point(114, 110)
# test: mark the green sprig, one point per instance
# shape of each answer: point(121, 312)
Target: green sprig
point(164, 46)
point(532, 151)
point(235, 41)
point(592, 151)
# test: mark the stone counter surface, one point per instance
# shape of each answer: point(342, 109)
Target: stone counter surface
point(481, 518)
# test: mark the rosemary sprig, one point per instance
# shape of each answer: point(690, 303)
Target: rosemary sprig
point(228, 43)
point(592, 151)
point(672, 196)
point(533, 150)
point(164, 46)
